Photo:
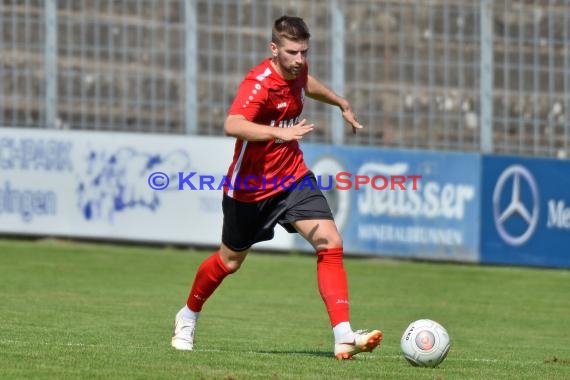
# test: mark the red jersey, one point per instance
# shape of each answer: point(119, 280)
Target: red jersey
point(263, 168)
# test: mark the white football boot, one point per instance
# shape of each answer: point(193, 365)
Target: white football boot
point(362, 341)
point(184, 329)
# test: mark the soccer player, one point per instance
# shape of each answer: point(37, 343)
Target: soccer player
point(270, 184)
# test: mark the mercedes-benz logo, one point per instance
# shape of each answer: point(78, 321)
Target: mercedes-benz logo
point(516, 207)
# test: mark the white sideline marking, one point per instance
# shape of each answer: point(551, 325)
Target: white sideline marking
point(375, 356)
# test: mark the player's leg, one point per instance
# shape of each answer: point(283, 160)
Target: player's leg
point(309, 214)
point(333, 287)
point(208, 277)
point(331, 276)
point(211, 273)
point(237, 237)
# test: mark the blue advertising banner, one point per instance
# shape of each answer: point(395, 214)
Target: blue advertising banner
point(525, 211)
point(401, 203)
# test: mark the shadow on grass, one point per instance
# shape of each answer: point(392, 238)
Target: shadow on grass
point(322, 354)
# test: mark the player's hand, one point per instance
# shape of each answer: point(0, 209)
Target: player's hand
point(350, 117)
point(296, 132)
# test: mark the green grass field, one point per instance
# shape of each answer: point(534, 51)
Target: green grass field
point(89, 311)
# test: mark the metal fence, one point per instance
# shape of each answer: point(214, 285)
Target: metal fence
point(438, 74)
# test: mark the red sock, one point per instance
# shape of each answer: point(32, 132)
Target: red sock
point(333, 286)
point(208, 277)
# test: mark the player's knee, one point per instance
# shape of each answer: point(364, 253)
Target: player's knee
point(232, 265)
point(334, 242)
point(232, 259)
point(232, 262)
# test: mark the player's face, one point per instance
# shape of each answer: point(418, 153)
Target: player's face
point(290, 57)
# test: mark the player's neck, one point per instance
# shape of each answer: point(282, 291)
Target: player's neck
point(279, 70)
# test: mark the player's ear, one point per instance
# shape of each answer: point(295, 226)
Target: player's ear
point(273, 48)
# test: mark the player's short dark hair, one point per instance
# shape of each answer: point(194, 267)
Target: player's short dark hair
point(291, 28)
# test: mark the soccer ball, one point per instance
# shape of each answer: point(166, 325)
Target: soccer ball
point(425, 343)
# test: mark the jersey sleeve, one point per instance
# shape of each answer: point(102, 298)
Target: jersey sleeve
point(250, 99)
